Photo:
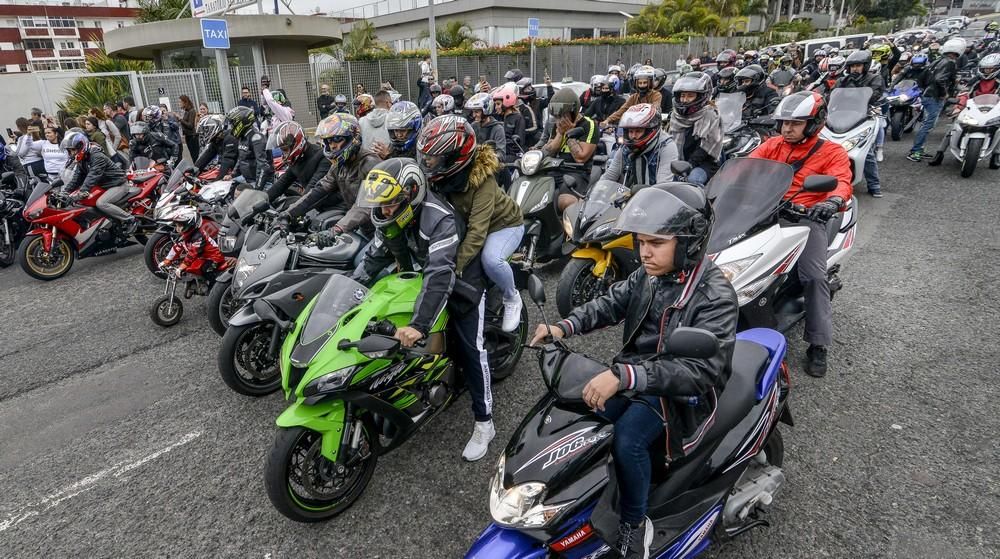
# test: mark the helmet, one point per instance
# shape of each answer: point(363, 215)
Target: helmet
point(881, 52)
point(564, 102)
point(659, 78)
point(340, 100)
point(593, 82)
point(820, 53)
point(185, 219)
point(78, 142)
point(404, 115)
point(614, 68)
point(445, 146)
point(834, 50)
point(989, 66)
point(803, 106)
point(141, 128)
point(527, 91)
point(764, 60)
point(671, 210)
point(435, 88)
point(693, 82)
point(953, 46)
point(905, 57)
point(727, 81)
point(363, 104)
point(724, 59)
point(992, 26)
point(644, 73)
point(506, 94)
point(875, 68)
point(835, 64)
point(513, 75)
point(393, 182)
point(859, 57)
point(394, 96)
point(337, 128)
point(240, 120)
point(290, 139)
point(750, 54)
point(918, 61)
point(210, 128)
point(152, 114)
point(456, 91)
point(643, 116)
point(749, 79)
point(696, 64)
point(444, 104)
point(481, 102)
point(740, 63)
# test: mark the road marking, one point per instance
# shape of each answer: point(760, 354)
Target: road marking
point(88, 483)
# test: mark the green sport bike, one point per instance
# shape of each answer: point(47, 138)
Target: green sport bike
point(357, 394)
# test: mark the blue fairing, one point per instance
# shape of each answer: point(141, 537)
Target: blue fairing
point(776, 346)
point(502, 543)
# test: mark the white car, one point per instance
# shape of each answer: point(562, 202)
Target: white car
point(543, 91)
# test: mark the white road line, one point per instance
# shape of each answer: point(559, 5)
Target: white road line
point(87, 483)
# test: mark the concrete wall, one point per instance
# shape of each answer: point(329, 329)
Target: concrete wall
point(21, 93)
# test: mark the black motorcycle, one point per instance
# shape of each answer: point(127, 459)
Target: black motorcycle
point(13, 227)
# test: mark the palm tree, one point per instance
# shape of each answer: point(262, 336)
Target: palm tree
point(454, 34)
point(96, 91)
point(162, 10)
point(677, 16)
point(361, 39)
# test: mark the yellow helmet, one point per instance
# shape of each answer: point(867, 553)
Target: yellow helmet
point(881, 53)
point(393, 191)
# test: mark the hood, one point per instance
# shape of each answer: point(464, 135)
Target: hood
point(485, 165)
point(377, 117)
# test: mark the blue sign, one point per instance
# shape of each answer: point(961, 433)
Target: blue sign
point(533, 27)
point(214, 33)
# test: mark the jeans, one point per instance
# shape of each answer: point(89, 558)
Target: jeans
point(871, 172)
point(497, 249)
point(812, 276)
point(698, 176)
point(637, 426)
point(472, 359)
point(932, 108)
point(106, 204)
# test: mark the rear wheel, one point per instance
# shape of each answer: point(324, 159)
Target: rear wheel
point(46, 265)
point(578, 284)
point(503, 349)
point(896, 125)
point(166, 311)
point(245, 364)
point(157, 247)
point(220, 306)
point(937, 159)
point(972, 151)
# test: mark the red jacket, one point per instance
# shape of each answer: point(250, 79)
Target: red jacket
point(829, 159)
point(198, 247)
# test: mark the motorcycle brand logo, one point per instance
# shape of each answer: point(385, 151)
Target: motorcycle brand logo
point(261, 255)
point(385, 378)
point(566, 447)
point(736, 238)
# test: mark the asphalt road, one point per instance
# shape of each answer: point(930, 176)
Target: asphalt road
point(118, 439)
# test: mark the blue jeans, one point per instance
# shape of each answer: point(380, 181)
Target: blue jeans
point(932, 108)
point(871, 172)
point(698, 176)
point(637, 427)
point(497, 249)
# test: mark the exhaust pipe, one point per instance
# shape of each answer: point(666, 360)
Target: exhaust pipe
point(758, 491)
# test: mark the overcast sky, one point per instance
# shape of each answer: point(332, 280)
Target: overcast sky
point(305, 7)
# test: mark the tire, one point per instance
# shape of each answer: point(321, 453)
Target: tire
point(157, 247)
point(243, 361)
point(166, 311)
point(972, 151)
point(774, 448)
point(896, 126)
point(37, 266)
point(503, 349)
point(8, 253)
point(290, 475)
point(578, 284)
point(220, 306)
point(937, 159)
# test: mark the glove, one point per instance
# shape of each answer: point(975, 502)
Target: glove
point(78, 195)
point(282, 220)
point(191, 172)
point(824, 210)
point(325, 239)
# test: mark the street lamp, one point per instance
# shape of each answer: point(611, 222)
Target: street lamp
point(628, 16)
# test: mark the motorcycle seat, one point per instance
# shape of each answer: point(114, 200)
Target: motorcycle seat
point(740, 393)
point(326, 220)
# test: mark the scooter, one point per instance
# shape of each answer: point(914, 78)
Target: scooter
point(553, 493)
point(973, 136)
point(757, 239)
point(851, 124)
point(905, 108)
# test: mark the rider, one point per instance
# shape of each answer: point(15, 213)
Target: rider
point(505, 100)
point(195, 244)
point(648, 151)
point(533, 109)
point(418, 227)
point(303, 161)
point(430, 108)
point(443, 105)
point(800, 117)
point(94, 168)
point(810, 70)
point(761, 100)
point(255, 163)
point(340, 105)
point(606, 102)
point(403, 123)
point(486, 128)
point(936, 83)
point(858, 76)
point(574, 140)
point(644, 93)
point(215, 141)
point(159, 126)
point(913, 71)
point(726, 80)
point(146, 143)
point(696, 127)
point(676, 286)
point(826, 82)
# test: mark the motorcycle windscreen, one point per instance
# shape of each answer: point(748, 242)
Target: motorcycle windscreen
point(781, 78)
point(141, 163)
point(175, 178)
point(339, 295)
point(745, 192)
point(41, 188)
point(247, 199)
point(730, 107)
point(848, 108)
point(986, 102)
point(601, 197)
point(905, 86)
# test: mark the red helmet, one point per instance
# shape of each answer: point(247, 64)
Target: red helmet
point(290, 139)
point(643, 116)
point(445, 146)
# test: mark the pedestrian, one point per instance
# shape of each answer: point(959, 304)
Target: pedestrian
point(120, 118)
point(247, 101)
point(374, 134)
point(55, 157)
point(91, 126)
point(359, 89)
point(202, 113)
point(29, 146)
point(325, 103)
point(936, 82)
point(113, 139)
point(425, 80)
point(130, 110)
point(467, 84)
point(36, 118)
point(681, 61)
point(189, 126)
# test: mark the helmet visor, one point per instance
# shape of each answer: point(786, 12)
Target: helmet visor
point(653, 211)
point(559, 109)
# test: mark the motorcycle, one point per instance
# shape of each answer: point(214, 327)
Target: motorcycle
point(740, 137)
point(757, 239)
point(853, 125)
point(905, 108)
point(356, 393)
point(65, 229)
point(973, 136)
point(554, 489)
point(13, 227)
point(167, 310)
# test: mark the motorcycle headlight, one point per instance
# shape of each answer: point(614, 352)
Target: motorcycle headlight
point(968, 120)
point(530, 162)
point(733, 269)
point(520, 506)
point(567, 226)
point(541, 204)
point(226, 243)
point(853, 141)
point(243, 271)
point(329, 382)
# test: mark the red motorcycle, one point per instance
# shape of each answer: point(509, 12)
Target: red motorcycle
point(64, 230)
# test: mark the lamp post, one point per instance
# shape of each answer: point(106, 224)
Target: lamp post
point(628, 16)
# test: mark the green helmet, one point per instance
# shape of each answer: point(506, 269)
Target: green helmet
point(564, 102)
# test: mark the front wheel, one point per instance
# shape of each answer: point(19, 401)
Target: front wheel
point(166, 311)
point(156, 250)
point(221, 306)
point(306, 486)
point(896, 126)
point(972, 151)
point(43, 265)
point(245, 362)
point(578, 284)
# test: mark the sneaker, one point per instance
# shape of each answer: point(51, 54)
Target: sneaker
point(875, 193)
point(512, 313)
point(816, 361)
point(916, 156)
point(878, 154)
point(479, 443)
point(633, 542)
point(129, 226)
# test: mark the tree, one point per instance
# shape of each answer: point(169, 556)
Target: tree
point(677, 16)
point(360, 40)
point(96, 91)
point(454, 34)
point(162, 10)
point(891, 9)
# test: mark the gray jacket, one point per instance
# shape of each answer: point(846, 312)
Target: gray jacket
point(650, 167)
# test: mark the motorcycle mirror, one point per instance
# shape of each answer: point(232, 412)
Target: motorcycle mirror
point(536, 289)
point(259, 207)
point(820, 183)
point(692, 342)
point(374, 346)
point(681, 168)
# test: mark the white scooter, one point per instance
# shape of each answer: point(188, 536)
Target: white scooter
point(974, 135)
point(758, 238)
point(852, 125)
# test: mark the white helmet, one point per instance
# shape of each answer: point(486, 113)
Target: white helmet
point(954, 46)
point(989, 66)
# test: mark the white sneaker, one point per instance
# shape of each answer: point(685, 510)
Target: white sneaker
point(878, 154)
point(512, 313)
point(479, 443)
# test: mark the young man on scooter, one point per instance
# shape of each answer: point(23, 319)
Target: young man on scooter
point(676, 286)
point(415, 226)
point(800, 117)
point(648, 151)
point(94, 168)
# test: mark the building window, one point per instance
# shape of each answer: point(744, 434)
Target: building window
point(31, 22)
point(67, 45)
point(44, 66)
point(23, 67)
point(3, 69)
point(581, 33)
point(121, 24)
point(38, 44)
point(72, 64)
point(62, 22)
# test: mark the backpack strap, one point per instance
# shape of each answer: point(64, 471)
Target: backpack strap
point(797, 165)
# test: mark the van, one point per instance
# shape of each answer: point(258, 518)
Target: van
point(812, 45)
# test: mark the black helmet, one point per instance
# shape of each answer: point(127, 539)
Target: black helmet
point(671, 210)
point(698, 83)
point(513, 75)
point(240, 120)
point(863, 57)
point(749, 79)
point(564, 102)
point(435, 88)
point(457, 91)
point(727, 80)
point(724, 60)
point(210, 128)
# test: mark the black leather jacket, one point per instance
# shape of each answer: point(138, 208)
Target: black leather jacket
point(227, 148)
point(308, 170)
point(651, 308)
point(97, 169)
point(339, 188)
point(867, 79)
point(255, 162)
point(763, 103)
point(155, 146)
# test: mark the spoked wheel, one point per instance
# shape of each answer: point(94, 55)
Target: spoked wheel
point(503, 349)
point(221, 306)
point(578, 284)
point(156, 249)
point(306, 486)
point(46, 265)
point(166, 311)
point(244, 361)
